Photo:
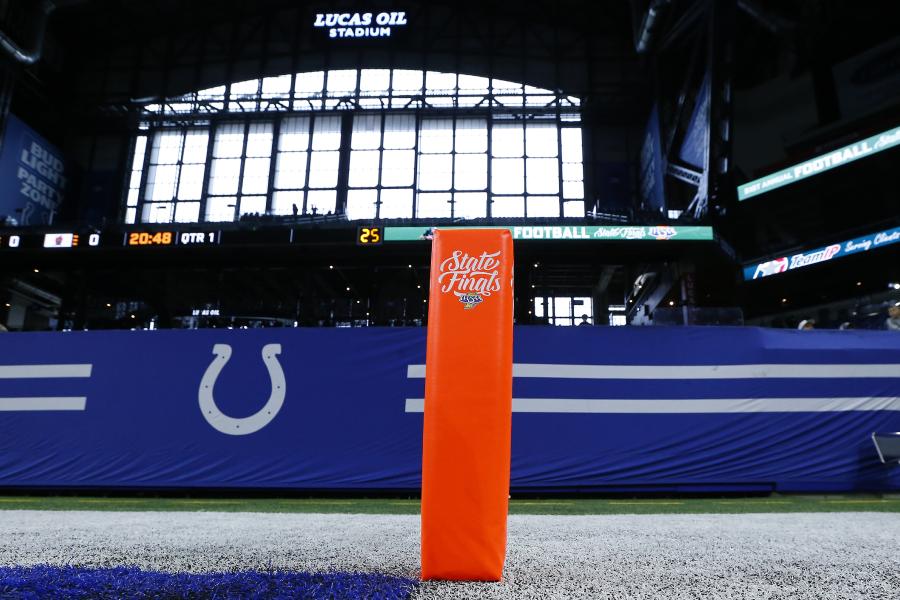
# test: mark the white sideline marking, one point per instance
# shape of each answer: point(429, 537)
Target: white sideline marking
point(676, 406)
point(48, 403)
point(786, 371)
point(44, 371)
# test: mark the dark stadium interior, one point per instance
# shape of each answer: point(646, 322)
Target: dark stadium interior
point(92, 76)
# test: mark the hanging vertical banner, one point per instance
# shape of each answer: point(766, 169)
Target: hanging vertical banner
point(652, 167)
point(33, 175)
point(468, 405)
point(696, 139)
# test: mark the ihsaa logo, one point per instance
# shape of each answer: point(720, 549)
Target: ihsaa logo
point(469, 300)
point(470, 278)
point(663, 232)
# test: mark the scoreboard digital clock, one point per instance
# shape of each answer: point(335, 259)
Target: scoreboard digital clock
point(144, 238)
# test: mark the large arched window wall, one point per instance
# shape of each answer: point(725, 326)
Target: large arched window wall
point(369, 143)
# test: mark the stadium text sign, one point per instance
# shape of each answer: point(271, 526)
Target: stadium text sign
point(820, 164)
point(819, 255)
point(567, 232)
point(360, 25)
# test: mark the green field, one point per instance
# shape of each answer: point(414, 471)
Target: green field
point(555, 506)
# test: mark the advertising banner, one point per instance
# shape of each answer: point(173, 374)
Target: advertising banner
point(603, 408)
point(820, 164)
point(34, 176)
point(569, 232)
point(784, 264)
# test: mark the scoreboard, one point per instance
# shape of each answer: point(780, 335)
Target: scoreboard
point(141, 239)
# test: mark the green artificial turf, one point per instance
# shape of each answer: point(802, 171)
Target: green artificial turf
point(550, 506)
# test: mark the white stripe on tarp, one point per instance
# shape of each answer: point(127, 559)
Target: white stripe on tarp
point(786, 371)
point(44, 371)
point(730, 405)
point(38, 403)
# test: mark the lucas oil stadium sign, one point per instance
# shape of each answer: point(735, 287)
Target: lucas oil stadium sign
point(568, 232)
point(360, 25)
point(820, 164)
point(820, 255)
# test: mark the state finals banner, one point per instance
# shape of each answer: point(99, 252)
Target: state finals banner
point(468, 406)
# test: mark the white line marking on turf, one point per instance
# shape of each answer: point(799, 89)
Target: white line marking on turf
point(43, 403)
point(679, 406)
point(786, 371)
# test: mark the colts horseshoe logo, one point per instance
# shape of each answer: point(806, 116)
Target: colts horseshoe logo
point(255, 422)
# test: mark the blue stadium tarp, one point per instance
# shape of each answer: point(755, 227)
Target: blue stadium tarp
point(596, 409)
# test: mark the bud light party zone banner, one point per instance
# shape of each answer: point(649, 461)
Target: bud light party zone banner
point(824, 254)
point(605, 408)
point(33, 175)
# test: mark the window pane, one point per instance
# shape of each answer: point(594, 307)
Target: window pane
point(223, 176)
point(374, 81)
point(399, 131)
point(435, 171)
point(573, 189)
point(259, 140)
point(472, 84)
point(583, 306)
point(323, 169)
point(140, 147)
point(220, 208)
point(253, 205)
point(562, 307)
point(283, 203)
point(341, 83)
point(190, 186)
point(294, 134)
point(436, 136)
point(407, 82)
point(397, 167)
point(290, 170)
point(161, 182)
point(256, 176)
point(321, 202)
point(433, 206)
point(507, 175)
point(573, 172)
point(543, 175)
point(396, 204)
point(187, 212)
point(130, 216)
point(541, 139)
point(309, 85)
point(507, 139)
point(361, 204)
point(158, 212)
point(471, 135)
point(229, 140)
point(326, 133)
point(573, 209)
point(571, 144)
point(195, 144)
point(366, 132)
point(245, 88)
point(470, 206)
point(364, 168)
point(133, 196)
point(542, 206)
point(470, 172)
point(539, 307)
point(277, 87)
point(510, 206)
point(166, 148)
point(441, 83)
